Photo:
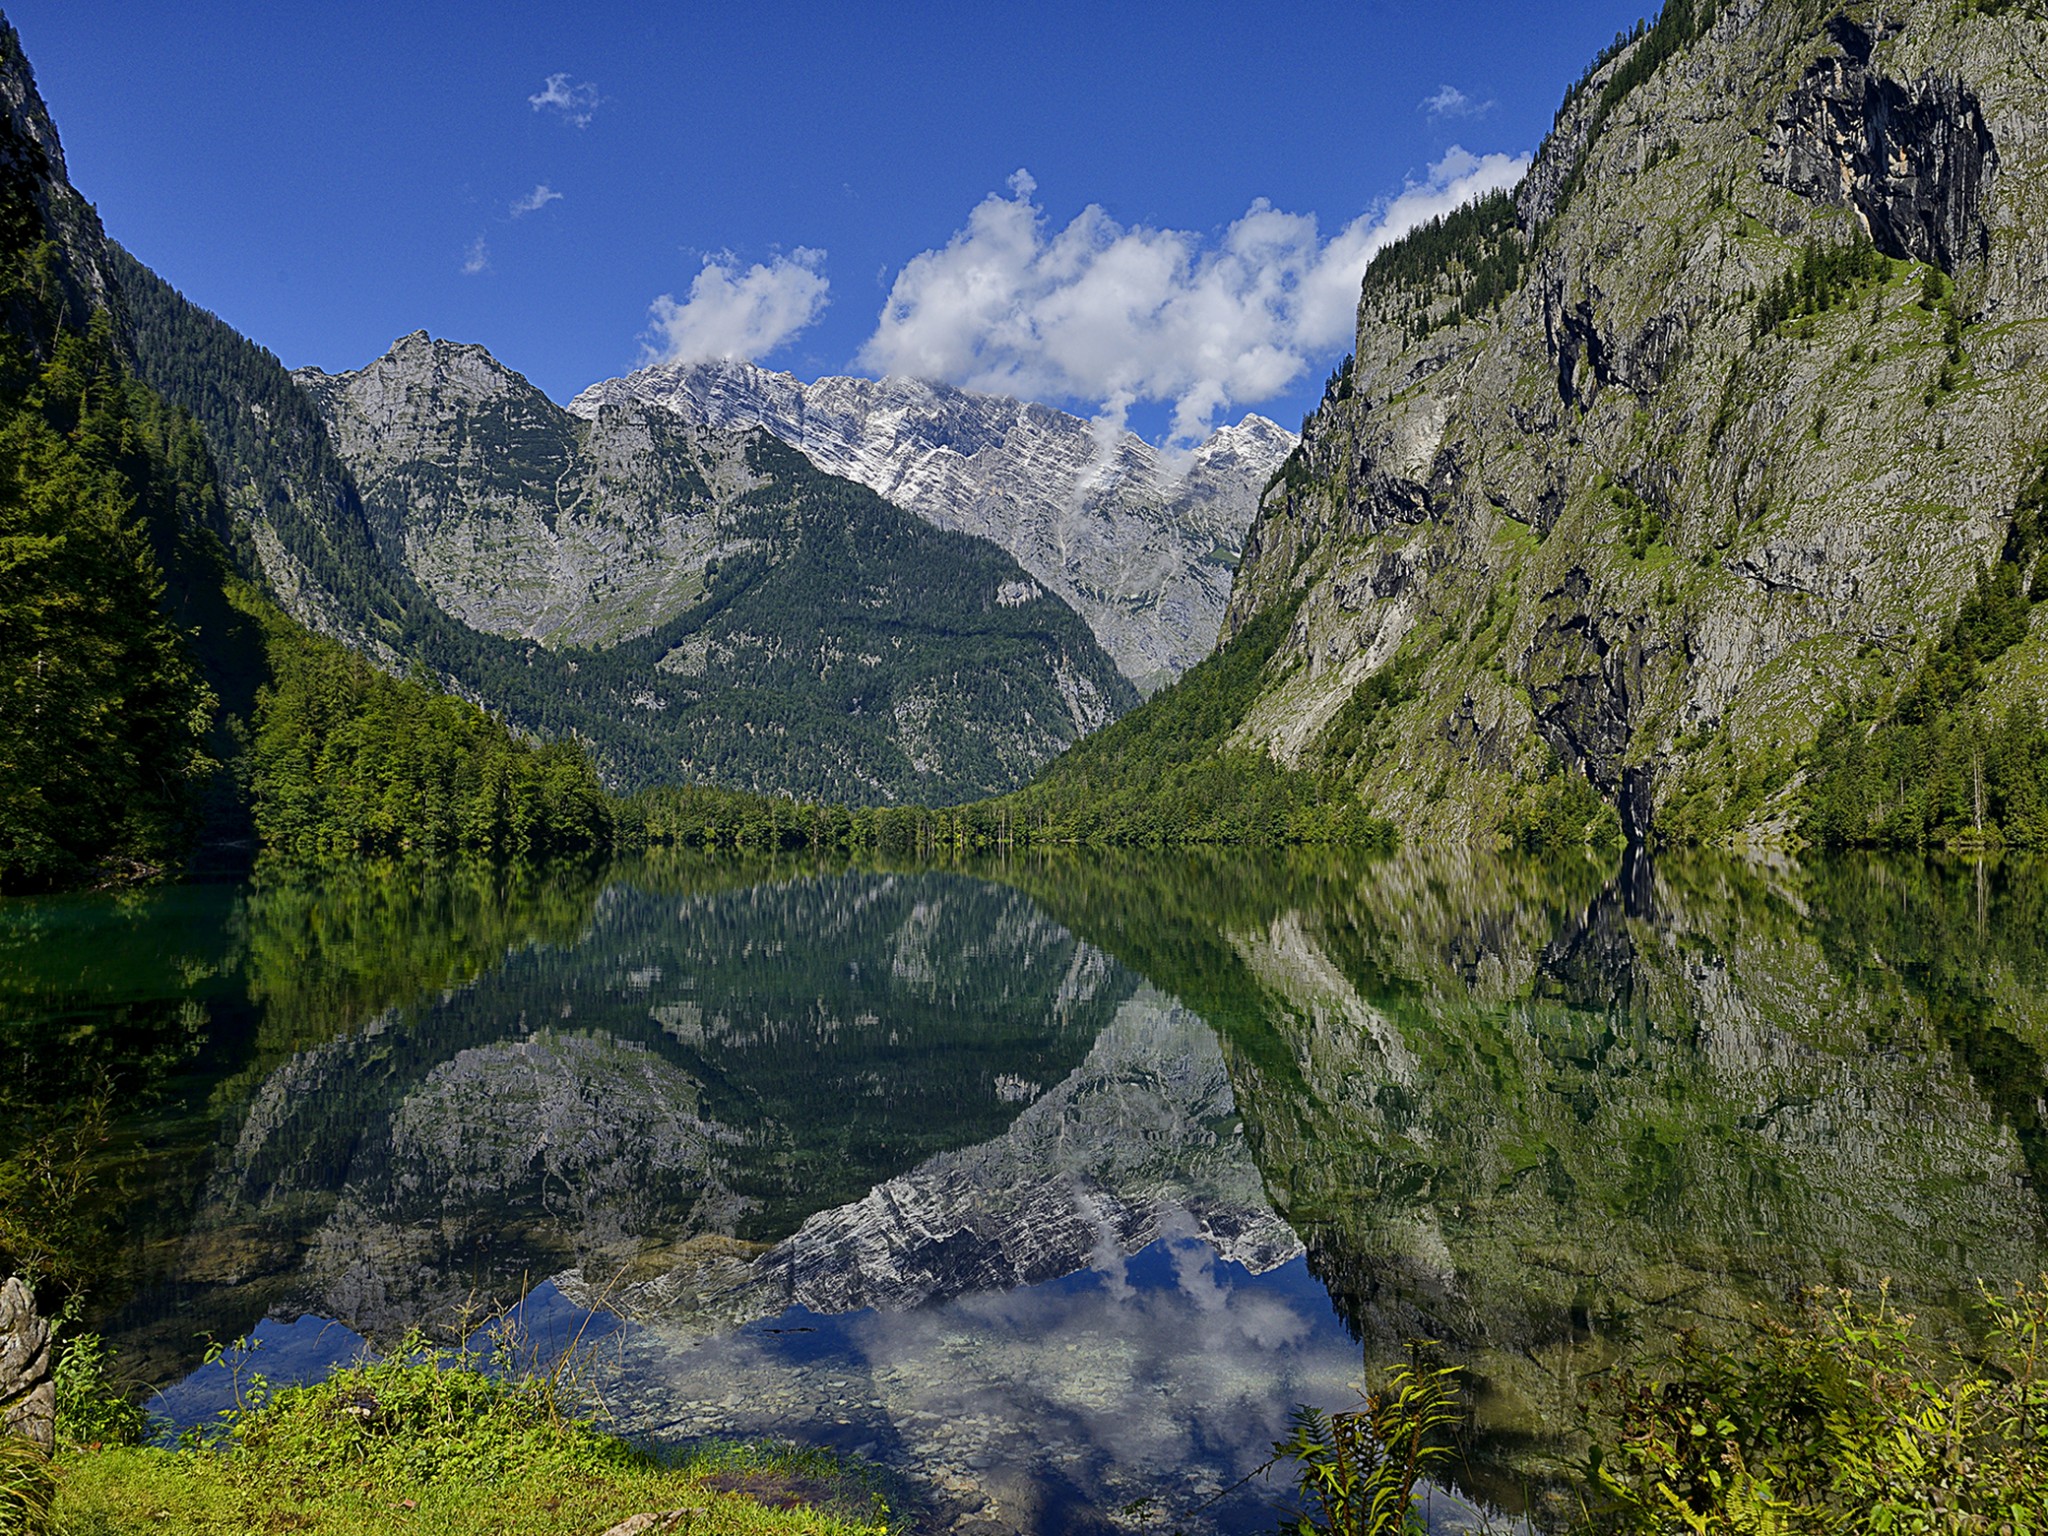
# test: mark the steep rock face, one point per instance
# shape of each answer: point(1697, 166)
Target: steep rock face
point(32, 168)
point(1911, 157)
point(1620, 521)
point(751, 621)
point(28, 1391)
point(1141, 546)
point(518, 519)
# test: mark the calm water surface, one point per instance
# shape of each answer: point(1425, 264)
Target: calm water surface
point(1051, 1186)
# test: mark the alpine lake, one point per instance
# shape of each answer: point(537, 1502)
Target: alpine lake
point(1051, 1186)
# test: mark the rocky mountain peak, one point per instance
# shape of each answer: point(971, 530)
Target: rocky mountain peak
point(1141, 543)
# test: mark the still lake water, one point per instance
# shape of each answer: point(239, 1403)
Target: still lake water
point(1051, 1186)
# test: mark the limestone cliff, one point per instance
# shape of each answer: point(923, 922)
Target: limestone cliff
point(520, 520)
point(1585, 496)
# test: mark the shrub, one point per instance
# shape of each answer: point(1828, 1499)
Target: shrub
point(1357, 1471)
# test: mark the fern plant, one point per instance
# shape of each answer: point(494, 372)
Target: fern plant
point(1356, 1472)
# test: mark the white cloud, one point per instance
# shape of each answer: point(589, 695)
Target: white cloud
point(576, 103)
point(1114, 315)
point(1449, 101)
point(535, 200)
point(477, 258)
point(734, 314)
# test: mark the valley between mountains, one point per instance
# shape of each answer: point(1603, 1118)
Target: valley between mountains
point(1691, 493)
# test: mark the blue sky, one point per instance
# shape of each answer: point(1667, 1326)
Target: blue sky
point(826, 188)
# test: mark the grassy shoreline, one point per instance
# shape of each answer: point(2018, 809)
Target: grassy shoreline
point(424, 1442)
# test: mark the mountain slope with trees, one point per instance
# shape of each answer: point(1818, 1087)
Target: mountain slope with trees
point(1689, 494)
point(146, 689)
point(964, 693)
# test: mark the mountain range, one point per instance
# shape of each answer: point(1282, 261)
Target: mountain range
point(1693, 492)
point(1141, 543)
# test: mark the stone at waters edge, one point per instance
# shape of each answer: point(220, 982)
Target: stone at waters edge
point(28, 1392)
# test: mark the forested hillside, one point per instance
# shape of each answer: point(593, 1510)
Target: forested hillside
point(843, 650)
point(152, 701)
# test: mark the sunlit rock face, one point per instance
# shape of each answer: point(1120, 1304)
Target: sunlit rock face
point(518, 519)
point(1141, 543)
point(758, 623)
point(1612, 516)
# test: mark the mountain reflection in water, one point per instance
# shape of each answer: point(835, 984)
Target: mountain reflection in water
point(1081, 1173)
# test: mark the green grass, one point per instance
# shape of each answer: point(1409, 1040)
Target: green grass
point(423, 1442)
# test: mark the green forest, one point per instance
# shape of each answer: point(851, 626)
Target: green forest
point(1155, 778)
point(154, 702)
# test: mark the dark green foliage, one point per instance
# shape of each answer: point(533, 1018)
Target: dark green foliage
point(1339, 384)
point(92, 1407)
point(1356, 731)
point(1164, 774)
point(346, 759)
point(1824, 277)
point(135, 667)
point(1562, 812)
point(1938, 298)
point(1473, 256)
point(1642, 527)
point(103, 712)
point(1851, 1420)
point(1294, 472)
point(1678, 25)
point(1356, 1472)
point(1934, 768)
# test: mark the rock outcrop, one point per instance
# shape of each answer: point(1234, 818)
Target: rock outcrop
point(1911, 157)
point(28, 1389)
point(1140, 543)
point(1616, 522)
point(520, 520)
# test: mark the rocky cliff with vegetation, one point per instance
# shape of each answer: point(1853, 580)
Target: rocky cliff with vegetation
point(1693, 491)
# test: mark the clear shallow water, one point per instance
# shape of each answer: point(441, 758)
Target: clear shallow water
point(1056, 1189)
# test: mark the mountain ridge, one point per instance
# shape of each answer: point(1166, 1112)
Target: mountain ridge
point(709, 604)
point(1141, 547)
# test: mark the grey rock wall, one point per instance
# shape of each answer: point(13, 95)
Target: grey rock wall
point(1618, 523)
point(28, 1391)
